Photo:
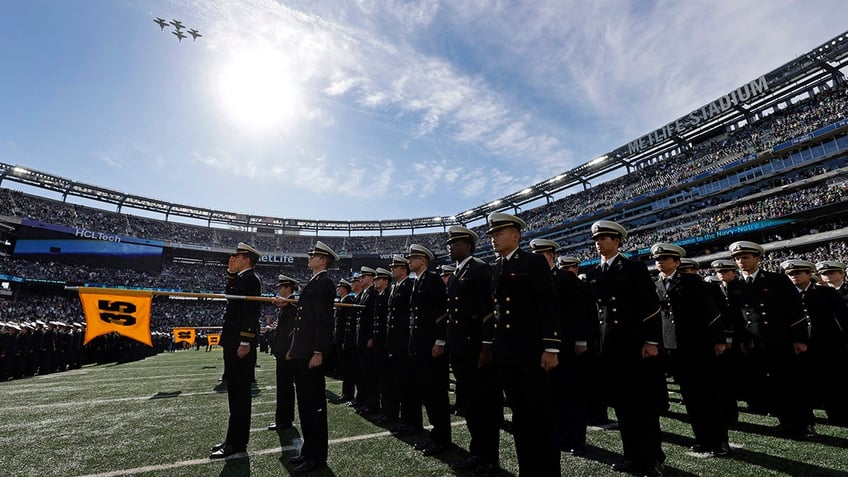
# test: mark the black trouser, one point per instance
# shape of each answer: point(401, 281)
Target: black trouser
point(528, 390)
point(380, 366)
point(828, 376)
point(775, 383)
point(432, 385)
point(632, 383)
point(400, 399)
point(483, 405)
point(312, 408)
point(285, 391)
point(350, 371)
point(367, 380)
point(570, 386)
point(702, 394)
point(237, 371)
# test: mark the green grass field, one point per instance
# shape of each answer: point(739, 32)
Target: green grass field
point(159, 416)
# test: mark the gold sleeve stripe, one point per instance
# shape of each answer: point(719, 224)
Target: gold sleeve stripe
point(797, 322)
point(714, 320)
point(441, 318)
point(553, 340)
point(488, 317)
point(247, 335)
point(652, 315)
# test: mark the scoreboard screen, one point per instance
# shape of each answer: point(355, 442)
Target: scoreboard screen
point(77, 246)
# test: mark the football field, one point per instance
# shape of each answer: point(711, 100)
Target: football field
point(159, 416)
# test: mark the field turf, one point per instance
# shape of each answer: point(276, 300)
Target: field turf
point(158, 417)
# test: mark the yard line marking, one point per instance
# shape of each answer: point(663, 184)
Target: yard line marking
point(187, 463)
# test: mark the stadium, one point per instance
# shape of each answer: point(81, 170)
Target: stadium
point(767, 162)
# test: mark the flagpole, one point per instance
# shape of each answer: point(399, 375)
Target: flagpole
point(267, 299)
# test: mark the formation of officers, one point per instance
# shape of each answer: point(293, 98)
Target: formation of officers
point(39, 347)
point(528, 333)
point(31, 348)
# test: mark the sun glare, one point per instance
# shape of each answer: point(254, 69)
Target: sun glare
point(258, 91)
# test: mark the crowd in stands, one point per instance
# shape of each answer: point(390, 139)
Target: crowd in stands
point(798, 119)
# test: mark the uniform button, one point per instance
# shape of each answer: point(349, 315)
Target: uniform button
point(507, 299)
point(615, 322)
point(763, 313)
point(506, 312)
point(456, 310)
point(496, 300)
point(507, 326)
point(599, 300)
point(612, 298)
point(556, 334)
point(765, 322)
point(614, 310)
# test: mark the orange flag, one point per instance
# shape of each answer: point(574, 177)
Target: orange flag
point(184, 334)
point(214, 338)
point(126, 312)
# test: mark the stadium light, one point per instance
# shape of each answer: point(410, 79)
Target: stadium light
point(437, 219)
point(20, 170)
point(526, 191)
point(598, 160)
point(495, 203)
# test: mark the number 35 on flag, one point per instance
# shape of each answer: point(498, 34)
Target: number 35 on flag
point(126, 312)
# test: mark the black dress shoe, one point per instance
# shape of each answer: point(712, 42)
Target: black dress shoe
point(435, 449)
point(485, 470)
point(308, 466)
point(722, 450)
point(420, 446)
point(297, 460)
point(218, 446)
point(226, 451)
point(340, 400)
point(468, 463)
point(807, 432)
point(699, 449)
point(279, 427)
point(655, 470)
point(578, 451)
point(383, 420)
point(624, 465)
point(406, 431)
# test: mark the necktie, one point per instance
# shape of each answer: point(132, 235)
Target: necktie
point(605, 267)
point(749, 280)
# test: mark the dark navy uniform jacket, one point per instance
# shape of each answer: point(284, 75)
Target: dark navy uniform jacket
point(469, 306)
point(628, 307)
point(428, 310)
point(397, 322)
point(313, 329)
point(771, 313)
point(241, 318)
point(526, 310)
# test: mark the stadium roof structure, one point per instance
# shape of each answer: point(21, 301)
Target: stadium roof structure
point(817, 67)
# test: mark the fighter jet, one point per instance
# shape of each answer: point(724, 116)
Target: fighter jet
point(178, 25)
point(161, 22)
point(194, 33)
point(179, 35)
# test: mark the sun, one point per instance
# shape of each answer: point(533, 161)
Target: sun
point(258, 90)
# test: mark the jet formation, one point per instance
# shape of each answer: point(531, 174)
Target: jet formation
point(178, 29)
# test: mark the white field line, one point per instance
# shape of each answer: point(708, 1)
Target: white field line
point(126, 399)
point(187, 463)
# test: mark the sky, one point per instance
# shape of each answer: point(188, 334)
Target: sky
point(364, 110)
